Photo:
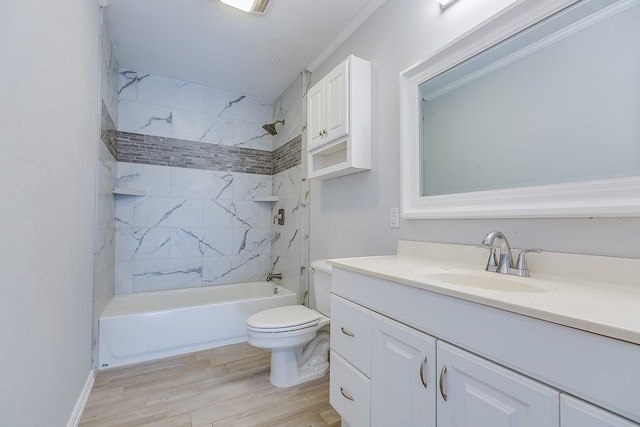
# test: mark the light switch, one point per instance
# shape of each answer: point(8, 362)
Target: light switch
point(394, 216)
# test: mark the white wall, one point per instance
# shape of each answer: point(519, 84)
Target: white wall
point(49, 121)
point(350, 215)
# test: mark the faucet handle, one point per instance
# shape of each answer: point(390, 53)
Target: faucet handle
point(492, 262)
point(521, 268)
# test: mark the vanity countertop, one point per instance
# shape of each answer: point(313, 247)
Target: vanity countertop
point(593, 293)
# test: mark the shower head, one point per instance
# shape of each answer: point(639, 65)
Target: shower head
point(271, 127)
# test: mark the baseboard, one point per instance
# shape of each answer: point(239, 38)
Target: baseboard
point(74, 421)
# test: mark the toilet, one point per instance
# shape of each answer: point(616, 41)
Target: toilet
point(297, 336)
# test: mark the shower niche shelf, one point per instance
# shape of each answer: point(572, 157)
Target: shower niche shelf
point(265, 198)
point(119, 191)
point(339, 121)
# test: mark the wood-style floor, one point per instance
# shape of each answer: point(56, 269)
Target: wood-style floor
point(227, 386)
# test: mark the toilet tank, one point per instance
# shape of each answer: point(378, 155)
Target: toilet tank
point(321, 285)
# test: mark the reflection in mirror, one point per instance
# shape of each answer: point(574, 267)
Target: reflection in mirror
point(557, 103)
point(543, 125)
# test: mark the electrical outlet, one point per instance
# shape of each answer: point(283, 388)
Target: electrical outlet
point(394, 216)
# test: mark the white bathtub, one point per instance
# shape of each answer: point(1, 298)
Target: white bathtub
point(150, 325)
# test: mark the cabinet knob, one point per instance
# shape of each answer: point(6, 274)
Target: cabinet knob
point(320, 133)
point(442, 372)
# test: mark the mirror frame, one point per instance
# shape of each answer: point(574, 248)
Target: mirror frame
point(619, 197)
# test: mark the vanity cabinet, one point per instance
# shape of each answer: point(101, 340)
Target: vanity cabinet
point(402, 375)
point(473, 391)
point(577, 413)
point(411, 348)
point(349, 392)
point(339, 121)
point(384, 362)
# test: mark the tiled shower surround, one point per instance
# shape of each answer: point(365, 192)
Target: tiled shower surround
point(159, 106)
point(193, 227)
point(201, 156)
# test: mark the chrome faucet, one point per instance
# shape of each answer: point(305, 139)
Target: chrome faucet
point(505, 263)
point(272, 276)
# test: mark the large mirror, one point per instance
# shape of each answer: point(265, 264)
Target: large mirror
point(537, 119)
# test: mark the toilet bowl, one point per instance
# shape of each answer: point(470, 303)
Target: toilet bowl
point(297, 336)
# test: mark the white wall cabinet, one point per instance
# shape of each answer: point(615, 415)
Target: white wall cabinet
point(494, 367)
point(339, 121)
point(329, 107)
point(476, 392)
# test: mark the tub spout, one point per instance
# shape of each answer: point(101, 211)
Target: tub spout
point(272, 276)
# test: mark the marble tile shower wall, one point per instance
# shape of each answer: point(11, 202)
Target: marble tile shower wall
point(193, 227)
point(109, 73)
point(288, 106)
point(159, 106)
point(105, 212)
point(288, 254)
point(199, 226)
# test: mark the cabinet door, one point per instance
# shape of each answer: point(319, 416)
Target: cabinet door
point(402, 375)
point(337, 102)
point(576, 413)
point(475, 392)
point(316, 115)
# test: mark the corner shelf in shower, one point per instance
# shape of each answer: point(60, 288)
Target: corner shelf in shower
point(119, 191)
point(265, 198)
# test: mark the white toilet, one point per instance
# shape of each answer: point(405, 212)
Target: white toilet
point(297, 336)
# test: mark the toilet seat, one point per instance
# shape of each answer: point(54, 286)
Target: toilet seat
point(283, 319)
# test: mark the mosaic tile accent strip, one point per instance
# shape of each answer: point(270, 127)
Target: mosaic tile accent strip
point(108, 133)
point(162, 151)
point(287, 156)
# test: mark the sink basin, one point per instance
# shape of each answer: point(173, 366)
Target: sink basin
point(491, 281)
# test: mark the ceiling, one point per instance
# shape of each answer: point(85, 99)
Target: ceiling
point(211, 44)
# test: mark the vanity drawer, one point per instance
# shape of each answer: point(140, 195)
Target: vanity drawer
point(349, 392)
point(351, 333)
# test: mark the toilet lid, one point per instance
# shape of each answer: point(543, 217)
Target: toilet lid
point(287, 317)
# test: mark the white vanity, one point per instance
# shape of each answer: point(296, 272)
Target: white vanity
point(427, 337)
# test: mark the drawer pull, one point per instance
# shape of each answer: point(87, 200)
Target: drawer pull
point(424, 362)
point(347, 332)
point(442, 372)
point(346, 396)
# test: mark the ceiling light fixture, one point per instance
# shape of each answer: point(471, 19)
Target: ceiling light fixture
point(255, 6)
point(445, 3)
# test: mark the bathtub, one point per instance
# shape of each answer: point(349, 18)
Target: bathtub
point(150, 325)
